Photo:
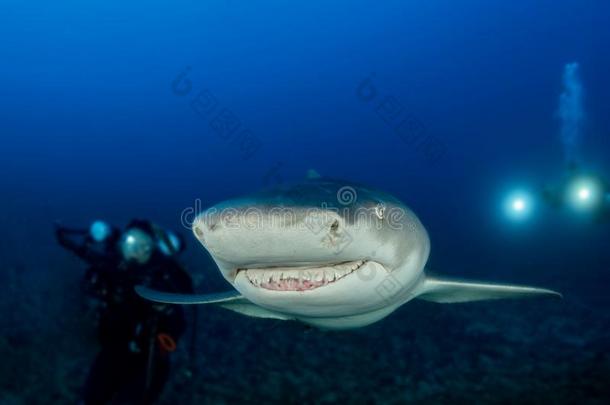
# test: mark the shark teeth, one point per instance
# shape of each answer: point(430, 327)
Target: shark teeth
point(300, 278)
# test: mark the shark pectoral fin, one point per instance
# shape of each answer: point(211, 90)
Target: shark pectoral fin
point(452, 291)
point(185, 299)
point(231, 300)
point(245, 307)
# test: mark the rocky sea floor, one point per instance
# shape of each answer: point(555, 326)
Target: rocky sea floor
point(537, 351)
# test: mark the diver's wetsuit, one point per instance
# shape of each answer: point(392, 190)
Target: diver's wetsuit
point(136, 335)
point(102, 257)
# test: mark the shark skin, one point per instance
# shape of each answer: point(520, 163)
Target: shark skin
point(330, 254)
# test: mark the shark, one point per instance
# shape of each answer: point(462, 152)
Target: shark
point(327, 253)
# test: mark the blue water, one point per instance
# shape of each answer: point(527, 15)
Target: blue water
point(117, 110)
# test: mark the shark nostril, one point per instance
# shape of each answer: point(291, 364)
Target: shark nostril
point(198, 232)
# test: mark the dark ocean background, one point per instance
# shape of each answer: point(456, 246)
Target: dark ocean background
point(105, 112)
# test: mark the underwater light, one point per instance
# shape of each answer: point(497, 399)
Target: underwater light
point(169, 245)
point(135, 244)
point(518, 205)
point(584, 194)
point(99, 230)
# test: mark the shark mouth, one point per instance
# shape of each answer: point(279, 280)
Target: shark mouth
point(300, 278)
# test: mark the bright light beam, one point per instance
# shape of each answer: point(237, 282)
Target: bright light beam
point(584, 194)
point(518, 205)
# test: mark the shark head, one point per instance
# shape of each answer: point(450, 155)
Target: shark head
point(318, 250)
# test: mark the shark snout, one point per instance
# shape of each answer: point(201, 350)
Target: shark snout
point(205, 225)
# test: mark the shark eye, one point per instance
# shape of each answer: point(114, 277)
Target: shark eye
point(380, 210)
point(334, 226)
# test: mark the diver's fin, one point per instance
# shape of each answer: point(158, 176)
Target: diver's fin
point(231, 300)
point(451, 291)
point(174, 298)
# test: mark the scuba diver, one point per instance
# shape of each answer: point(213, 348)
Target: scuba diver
point(582, 191)
point(136, 336)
